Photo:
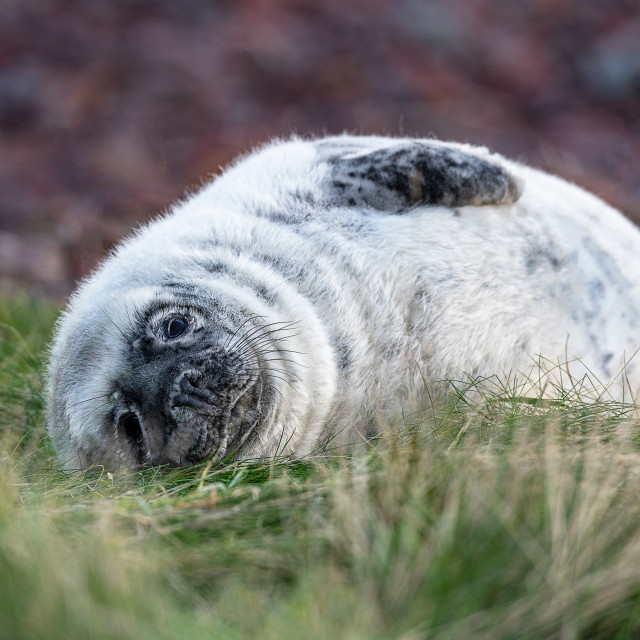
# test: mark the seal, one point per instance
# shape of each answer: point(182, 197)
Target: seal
point(319, 286)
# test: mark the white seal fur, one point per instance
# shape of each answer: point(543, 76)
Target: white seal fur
point(312, 288)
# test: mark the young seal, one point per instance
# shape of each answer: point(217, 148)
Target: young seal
point(317, 286)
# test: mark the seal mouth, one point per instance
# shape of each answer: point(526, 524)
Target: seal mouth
point(206, 413)
point(209, 421)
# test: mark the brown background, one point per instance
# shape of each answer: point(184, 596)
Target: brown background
point(110, 109)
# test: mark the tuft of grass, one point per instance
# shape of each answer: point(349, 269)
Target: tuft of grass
point(507, 513)
point(25, 327)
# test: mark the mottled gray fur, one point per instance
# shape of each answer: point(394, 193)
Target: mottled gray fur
point(311, 292)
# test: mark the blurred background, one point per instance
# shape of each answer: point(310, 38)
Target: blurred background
point(111, 109)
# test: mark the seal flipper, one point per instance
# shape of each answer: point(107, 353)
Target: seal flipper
point(399, 176)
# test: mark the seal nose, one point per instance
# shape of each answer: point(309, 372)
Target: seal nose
point(132, 428)
point(144, 435)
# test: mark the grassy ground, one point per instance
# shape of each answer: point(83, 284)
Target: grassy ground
point(507, 520)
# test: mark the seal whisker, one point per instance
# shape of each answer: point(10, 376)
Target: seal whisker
point(75, 404)
point(113, 323)
point(131, 325)
point(257, 342)
point(273, 371)
point(264, 329)
point(284, 359)
point(86, 414)
point(275, 349)
point(258, 369)
point(276, 390)
point(299, 353)
point(232, 336)
point(256, 357)
point(252, 330)
point(283, 380)
point(261, 332)
point(253, 424)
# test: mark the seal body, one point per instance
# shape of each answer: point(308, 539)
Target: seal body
point(319, 287)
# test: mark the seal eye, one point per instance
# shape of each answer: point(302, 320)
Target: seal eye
point(174, 327)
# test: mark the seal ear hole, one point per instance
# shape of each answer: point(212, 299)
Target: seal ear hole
point(131, 426)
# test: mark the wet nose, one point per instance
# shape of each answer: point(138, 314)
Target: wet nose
point(144, 434)
point(130, 424)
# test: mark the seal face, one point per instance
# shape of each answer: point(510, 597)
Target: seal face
point(189, 391)
point(308, 293)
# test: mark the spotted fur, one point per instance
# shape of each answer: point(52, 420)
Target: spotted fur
point(312, 290)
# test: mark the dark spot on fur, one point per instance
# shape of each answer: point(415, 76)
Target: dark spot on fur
point(537, 257)
point(343, 353)
point(596, 290)
point(263, 293)
point(422, 296)
point(416, 172)
point(215, 267)
point(392, 350)
point(372, 430)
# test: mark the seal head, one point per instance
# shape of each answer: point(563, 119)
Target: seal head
point(187, 391)
point(166, 382)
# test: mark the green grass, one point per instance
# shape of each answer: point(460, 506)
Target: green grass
point(513, 517)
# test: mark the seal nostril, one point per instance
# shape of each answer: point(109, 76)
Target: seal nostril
point(185, 384)
point(132, 428)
